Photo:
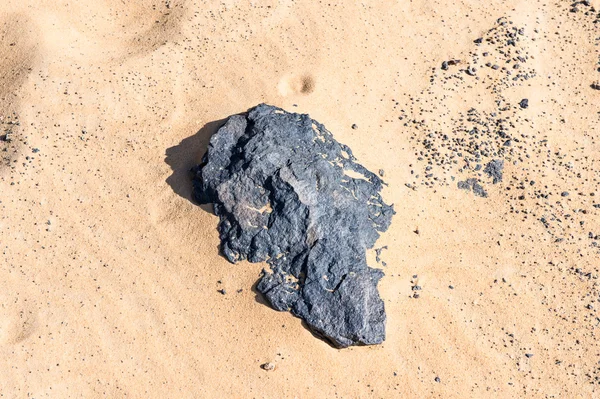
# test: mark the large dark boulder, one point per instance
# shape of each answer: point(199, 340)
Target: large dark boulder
point(287, 193)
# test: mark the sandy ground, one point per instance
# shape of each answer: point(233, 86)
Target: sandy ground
point(109, 274)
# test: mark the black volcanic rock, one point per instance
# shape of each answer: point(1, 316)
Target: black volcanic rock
point(494, 170)
point(524, 103)
point(289, 194)
point(473, 185)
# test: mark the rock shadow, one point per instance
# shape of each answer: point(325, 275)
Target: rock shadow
point(187, 154)
point(259, 297)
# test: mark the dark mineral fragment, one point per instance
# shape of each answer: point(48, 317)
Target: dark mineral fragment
point(494, 170)
point(289, 194)
point(473, 184)
point(524, 103)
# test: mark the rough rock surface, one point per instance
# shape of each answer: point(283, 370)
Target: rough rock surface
point(473, 184)
point(494, 170)
point(287, 193)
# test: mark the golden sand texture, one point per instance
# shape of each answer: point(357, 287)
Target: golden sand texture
point(110, 275)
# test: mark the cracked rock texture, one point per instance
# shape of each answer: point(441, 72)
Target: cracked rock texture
point(494, 170)
point(289, 194)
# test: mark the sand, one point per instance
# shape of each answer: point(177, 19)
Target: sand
point(110, 275)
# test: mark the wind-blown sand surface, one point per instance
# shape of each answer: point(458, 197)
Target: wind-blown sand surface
point(110, 275)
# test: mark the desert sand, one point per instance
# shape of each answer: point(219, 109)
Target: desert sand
point(110, 274)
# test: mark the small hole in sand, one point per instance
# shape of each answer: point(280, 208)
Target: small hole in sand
point(296, 84)
point(308, 85)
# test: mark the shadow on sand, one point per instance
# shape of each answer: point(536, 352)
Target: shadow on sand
point(184, 156)
point(260, 298)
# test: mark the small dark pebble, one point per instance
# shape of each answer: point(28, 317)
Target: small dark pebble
point(529, 355)
point(564, 194)
point(267, 366)
point(437, 379)
point(524, 103)
point(222, 291)
point(354, 126)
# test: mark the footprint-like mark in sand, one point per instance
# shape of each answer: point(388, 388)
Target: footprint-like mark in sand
point(295, 84)
point(160, 27)
point(19, 50)
point(18, 47)
point(120, 30)
point(17, 318)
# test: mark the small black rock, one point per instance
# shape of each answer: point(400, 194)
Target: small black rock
point(494, 170)
point(524, 103)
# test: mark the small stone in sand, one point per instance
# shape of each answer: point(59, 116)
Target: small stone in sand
point(524, 103)
point(267, 366)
